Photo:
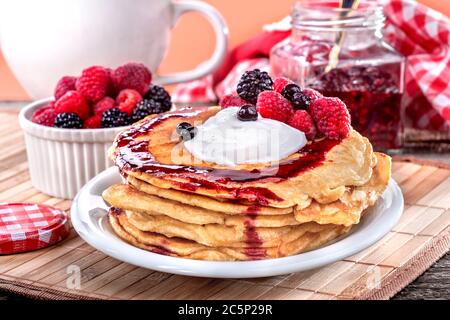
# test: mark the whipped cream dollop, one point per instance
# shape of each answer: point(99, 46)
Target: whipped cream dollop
point(226, 140)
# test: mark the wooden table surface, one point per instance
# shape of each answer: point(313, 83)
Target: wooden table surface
point(433, 284)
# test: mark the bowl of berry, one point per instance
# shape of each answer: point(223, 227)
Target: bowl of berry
point(67, 136)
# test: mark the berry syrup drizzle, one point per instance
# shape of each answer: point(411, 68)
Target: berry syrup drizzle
point(133, 155)
point(253, 249)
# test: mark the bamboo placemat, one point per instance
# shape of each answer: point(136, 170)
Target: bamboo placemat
point(416, 242)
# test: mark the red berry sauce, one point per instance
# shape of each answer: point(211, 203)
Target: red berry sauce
point(373, 98)
point(253, 249)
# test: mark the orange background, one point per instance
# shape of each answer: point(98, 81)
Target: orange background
point(244, 18)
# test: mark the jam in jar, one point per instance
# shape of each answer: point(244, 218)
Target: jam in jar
point(341, 53)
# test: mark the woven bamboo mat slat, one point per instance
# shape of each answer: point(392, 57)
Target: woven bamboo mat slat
point(419, 239)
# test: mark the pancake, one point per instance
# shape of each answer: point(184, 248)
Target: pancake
point(321, 171)
point(217, 234)
point(189, 249)
point(128, 198)
point(346, 211)
point(192, 199)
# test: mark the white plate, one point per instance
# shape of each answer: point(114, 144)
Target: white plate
point(90, 221)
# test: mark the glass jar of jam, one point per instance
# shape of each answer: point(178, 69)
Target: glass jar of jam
point(341, 53)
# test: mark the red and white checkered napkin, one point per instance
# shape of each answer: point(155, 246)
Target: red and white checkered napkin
point(418, 32)
point(27, 226)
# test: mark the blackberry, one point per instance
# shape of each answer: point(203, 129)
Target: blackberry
point(145, 108)
point(183, 126)
point(301, 101)
point(159, 94)
point(247, 113)
point(252, 83)
point(189, 134)
point(115, 118)
point(186, 131)
point(68, 120)
point(289, 90)
point(295, 95)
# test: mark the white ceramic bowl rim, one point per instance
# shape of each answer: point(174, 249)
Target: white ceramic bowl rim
point(59, 134)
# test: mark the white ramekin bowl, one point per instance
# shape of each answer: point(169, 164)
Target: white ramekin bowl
point(61, 161)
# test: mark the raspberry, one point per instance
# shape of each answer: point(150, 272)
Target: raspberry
point(68, 120)
point(312, 94)
point(280, 83)
point(93, 122)
point(111, 90)
point(231, 100)
point(74, 102)
point(252, 83)
point(105, 104)
point(115, 118)
point(159, 94)
point(65, 84)
point(45, 115)
point(145, 108)
point(132, 76)
point(302, 121)
point(272, 105)
point(331, 117)
point(127, 100)
point(93, 83)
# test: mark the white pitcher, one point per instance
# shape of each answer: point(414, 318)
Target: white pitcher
point(43, 40)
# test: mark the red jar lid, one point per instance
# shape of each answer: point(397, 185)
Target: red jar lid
point(29, 226)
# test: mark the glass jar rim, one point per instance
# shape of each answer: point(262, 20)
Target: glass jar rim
point(327, 15)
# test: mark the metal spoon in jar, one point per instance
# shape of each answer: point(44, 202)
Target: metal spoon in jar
point(333, 59)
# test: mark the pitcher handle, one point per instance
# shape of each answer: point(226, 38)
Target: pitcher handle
point(221, 32)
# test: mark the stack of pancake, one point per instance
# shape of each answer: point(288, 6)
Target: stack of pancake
point(171, 203)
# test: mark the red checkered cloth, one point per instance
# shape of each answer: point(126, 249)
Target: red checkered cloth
point(27, 226)
point(418, 32)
